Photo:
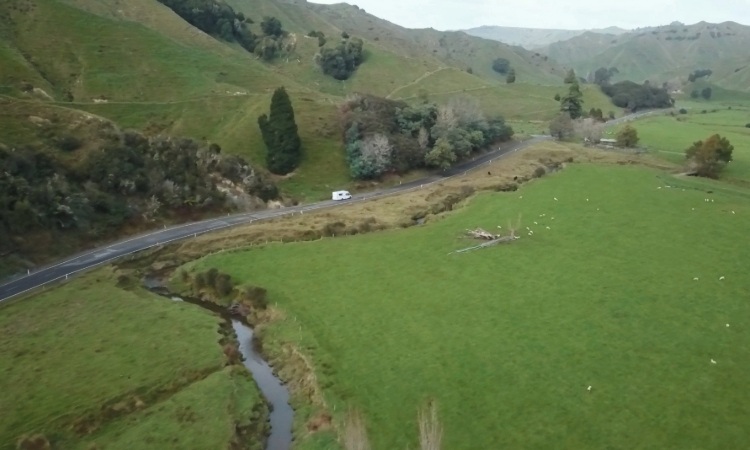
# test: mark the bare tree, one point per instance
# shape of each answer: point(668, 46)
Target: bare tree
point(446, 117)
point(466, 108)
point(376, 152)
point(355, 432)
point(424, 138)
point(590, 130)
point(430, 429)
point(562, 126)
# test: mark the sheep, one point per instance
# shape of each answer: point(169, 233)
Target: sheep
point(695, 279)
point(721, 278)
point(712, 361)
point(555, 198)
point(588, 388)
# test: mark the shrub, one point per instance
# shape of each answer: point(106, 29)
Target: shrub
point(211, 276)
point(68, 143)
point(683, 111)
point(255, 296)
point(539, 172)
point(224, 285)
point(747, 125)
point(35, 442)
point(199, 281)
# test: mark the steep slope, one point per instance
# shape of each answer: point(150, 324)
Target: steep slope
point(663, 53)
point(534, 38)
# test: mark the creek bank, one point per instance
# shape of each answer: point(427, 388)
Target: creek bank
point(274, 391)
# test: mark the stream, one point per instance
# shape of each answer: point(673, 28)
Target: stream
point(274, 391)
point(272, 388)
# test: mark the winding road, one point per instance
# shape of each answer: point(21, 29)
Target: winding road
point(102, 255)
point(105, 254)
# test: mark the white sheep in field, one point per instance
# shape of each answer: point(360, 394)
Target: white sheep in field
point(713, 362)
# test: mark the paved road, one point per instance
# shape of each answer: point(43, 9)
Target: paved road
point(63, 270)
point(108, 253)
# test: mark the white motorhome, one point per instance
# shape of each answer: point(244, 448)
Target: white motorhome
point(341, 195)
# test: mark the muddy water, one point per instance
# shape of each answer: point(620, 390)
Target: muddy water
point(273, 390)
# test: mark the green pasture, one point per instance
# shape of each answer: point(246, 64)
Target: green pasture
point(669, 136)
point(76, 359)
point(615, 284)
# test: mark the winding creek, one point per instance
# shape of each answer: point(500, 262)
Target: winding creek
point(272, 388)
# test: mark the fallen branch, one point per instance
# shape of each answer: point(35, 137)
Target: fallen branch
point(499, 240)
point(482, 234)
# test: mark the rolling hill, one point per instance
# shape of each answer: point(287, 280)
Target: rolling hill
point(138, 65)
point(534, 38)
point(664, 53)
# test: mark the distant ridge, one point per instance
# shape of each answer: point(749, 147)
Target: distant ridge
point(666, 53)
point(533, 38)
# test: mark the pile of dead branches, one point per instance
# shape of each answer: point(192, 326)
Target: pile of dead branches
point(492, 239)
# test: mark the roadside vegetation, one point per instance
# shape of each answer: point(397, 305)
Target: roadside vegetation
point(91, 365)
point(78, 179)
point(386, 136)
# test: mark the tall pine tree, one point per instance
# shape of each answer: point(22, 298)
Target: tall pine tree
point(279, 130)
point(572, 103)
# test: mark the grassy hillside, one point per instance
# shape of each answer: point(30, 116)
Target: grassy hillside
point(122, 369)
point(613, 290)
point(151, 70)
point(663, 53)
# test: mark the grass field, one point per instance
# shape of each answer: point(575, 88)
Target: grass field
point(88, 362)
point(669, 137)
point(508, 339)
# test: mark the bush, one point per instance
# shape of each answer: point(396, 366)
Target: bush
point(35, 442)
point(68, 143)
point(224, 285)
point(501, 65)
point(211, 277)
point(256, 296)
point(341, 62)
point(539, 172)
point(683, 111)
point(747, 125)
point(199, 281)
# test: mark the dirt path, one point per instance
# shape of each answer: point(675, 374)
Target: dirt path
point(418, 80)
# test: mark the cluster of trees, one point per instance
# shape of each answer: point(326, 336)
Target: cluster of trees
point(705, 93)
point(126, 178)
point(384, 135)
point(341, 61)
point(501, 65)
point(220, 20)
point(708, 158)
point(320, 35)
point(700, 73)
point(603, 75)
point(279, 131)
point(215, 18)
point(274, 40)
point(634, 96)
